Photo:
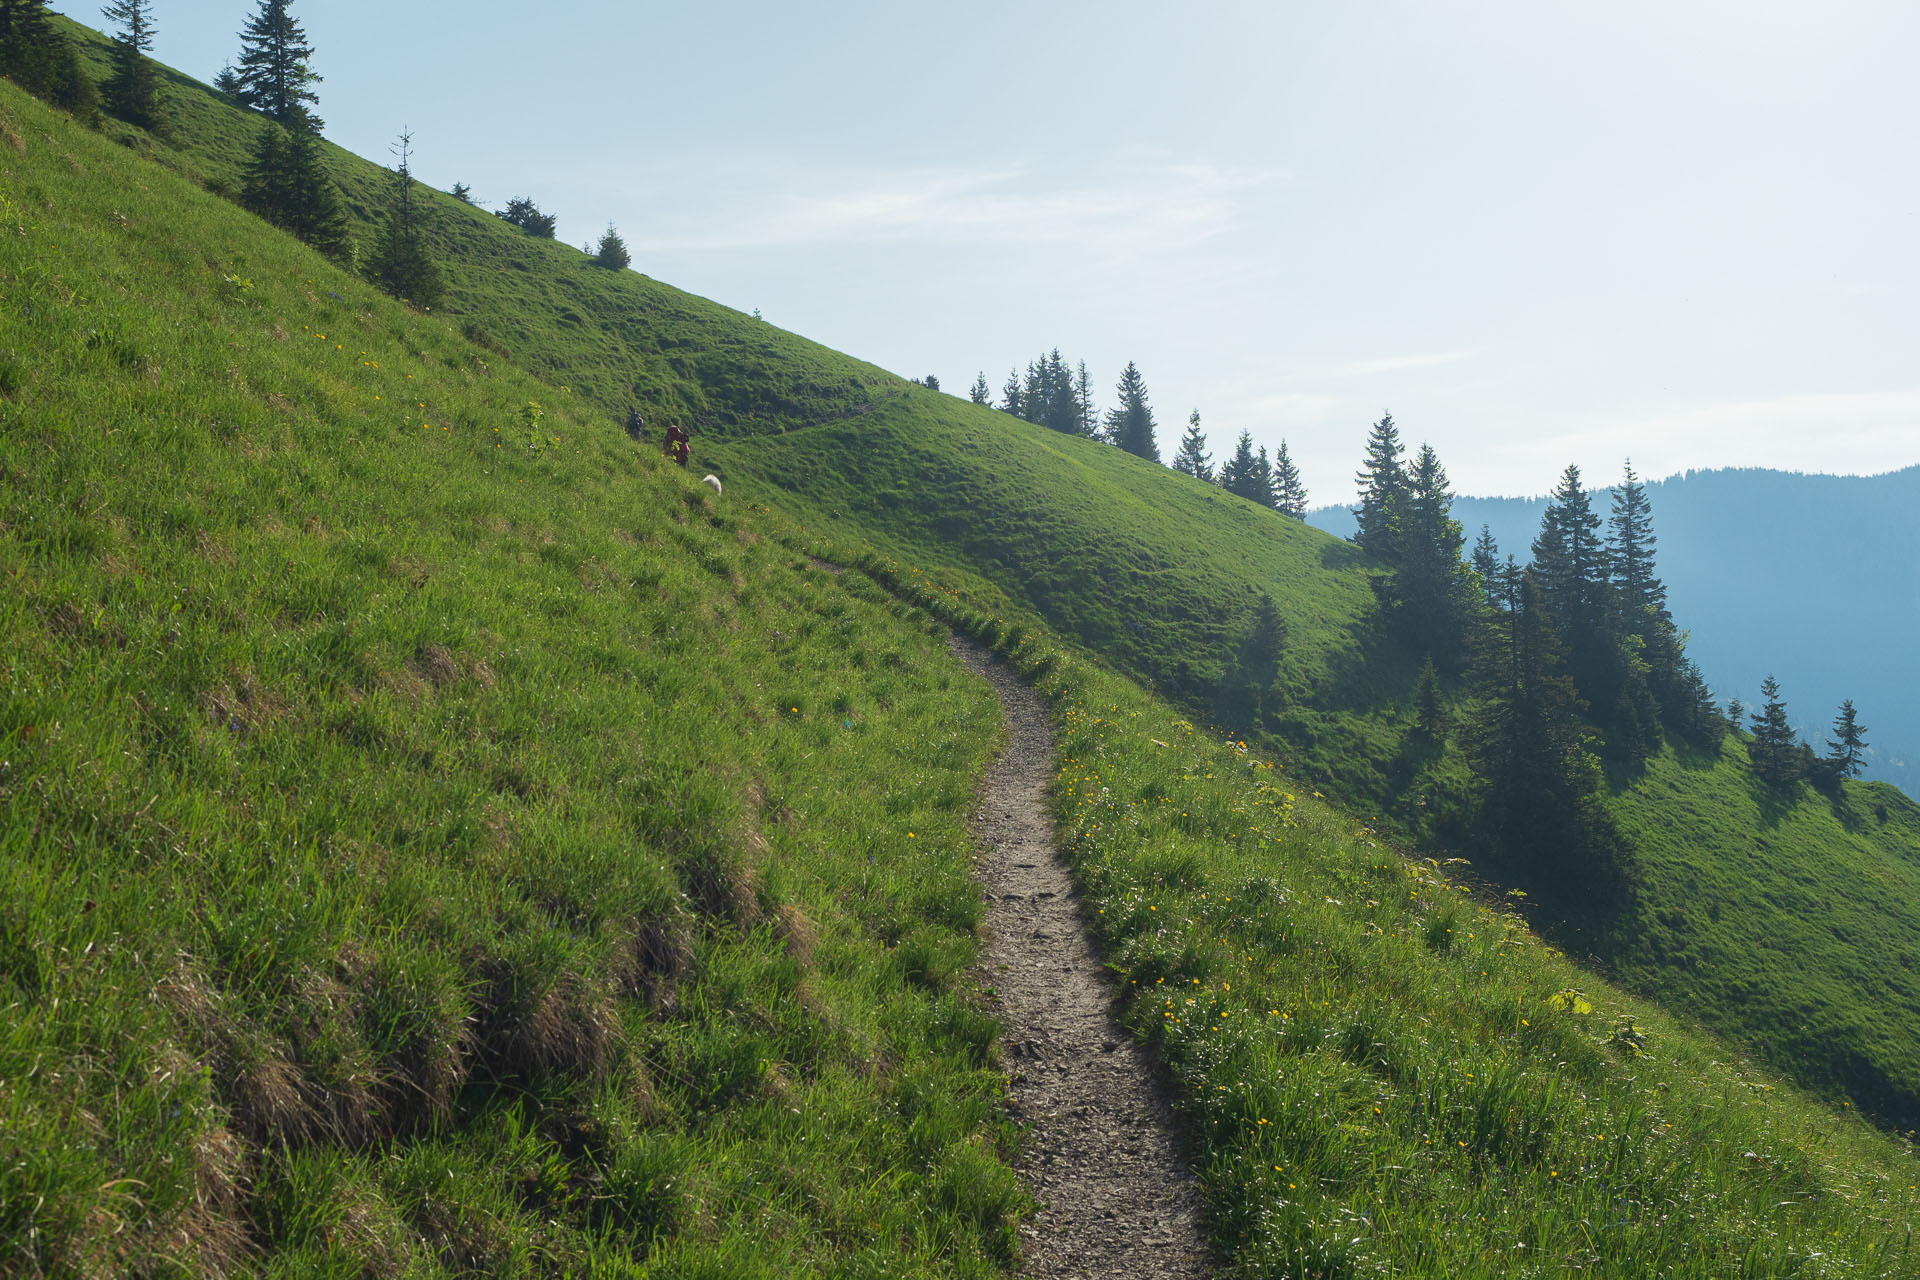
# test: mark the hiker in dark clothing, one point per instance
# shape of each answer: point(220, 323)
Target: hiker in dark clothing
point(636, 426)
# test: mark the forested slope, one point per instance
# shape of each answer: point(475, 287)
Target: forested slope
point(1813, 578)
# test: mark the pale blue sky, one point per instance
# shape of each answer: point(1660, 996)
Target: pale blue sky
point(1538, 232)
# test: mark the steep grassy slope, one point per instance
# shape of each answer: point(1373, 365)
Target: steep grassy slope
point(1155, 573)
point(433, 853)
point(434, 839)
point(1388, 1079)
point(618, 340)
point(1149, 569)
point(1783, 920)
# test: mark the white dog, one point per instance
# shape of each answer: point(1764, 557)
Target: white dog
point(712, 480)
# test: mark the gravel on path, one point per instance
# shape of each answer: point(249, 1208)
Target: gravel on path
point(1102, 1156)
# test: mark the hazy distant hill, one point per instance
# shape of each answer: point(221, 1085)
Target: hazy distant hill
point(1813, 578)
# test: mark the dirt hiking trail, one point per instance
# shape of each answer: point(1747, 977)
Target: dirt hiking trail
point(1117, 1200)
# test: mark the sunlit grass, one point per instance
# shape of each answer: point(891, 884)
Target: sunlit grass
point(435, 838)
point(1386, 1077)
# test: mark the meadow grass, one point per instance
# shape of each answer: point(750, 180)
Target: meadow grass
point(435, 836)
point(440, 839)
point(619, 340)
point(1779, 919)
point(1386, 1075)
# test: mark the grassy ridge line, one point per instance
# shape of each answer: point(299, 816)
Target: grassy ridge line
point(1156, 572)
point(618, 339)
point(436, 838)
point(1386, 1077)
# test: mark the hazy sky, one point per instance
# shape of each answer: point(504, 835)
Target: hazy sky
point(1537, 232)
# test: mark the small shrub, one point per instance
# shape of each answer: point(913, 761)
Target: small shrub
point(524, 214)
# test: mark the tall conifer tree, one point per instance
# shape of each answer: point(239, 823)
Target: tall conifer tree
point(1193, 458)
point(1431, 592)
point(1240, 474)
point(401, 263)
point(1130, 423)
point(1541, 784)
point(981, 394)
point(287, 184)
point(38, 57)
point(1289, 491)
point(1012, 400)
point(1083, 391)
point(1383, 493)
point(274, 75)
point(1774, 749)
point(133, 91)
point(1263, 479)
point(1486, 566)
point(1846, 750)
point(1630, 543)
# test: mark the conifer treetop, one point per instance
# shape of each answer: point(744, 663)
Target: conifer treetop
point(274, 75)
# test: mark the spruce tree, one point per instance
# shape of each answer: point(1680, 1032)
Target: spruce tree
point(1289, 491)
point(612, 251)
point(1192, 458)
point(1011, 398)
point(1048, 398)
point(1240, 474)
point(1568, 557)
point(1846, 750)
point(1383, 493)
point(981, 394)
point(1263, 479)
point(1540, 783)
point(400, 263)
point(1130, 423)
point(1630, 543)
point(287, 184)
point(1083, 392)
point(1063, 404)
point(274, 75)
point(1430, 592)
point(1774, 750)
point(1486, 567)
point(1571, 563)
point(37, 56)
point(133, 91)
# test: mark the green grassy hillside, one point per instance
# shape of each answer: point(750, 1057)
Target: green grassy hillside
point(1782, 921)
point(618, 340)
point(1386, 1078)
point(434, 838)
point(440, 840)
point(1152, 572)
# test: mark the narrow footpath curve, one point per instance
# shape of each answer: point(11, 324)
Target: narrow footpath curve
point(1116, 1198)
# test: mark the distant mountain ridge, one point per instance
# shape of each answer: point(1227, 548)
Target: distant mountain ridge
point(1814, 578)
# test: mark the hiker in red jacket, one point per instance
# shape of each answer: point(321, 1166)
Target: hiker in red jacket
point(676, 444)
